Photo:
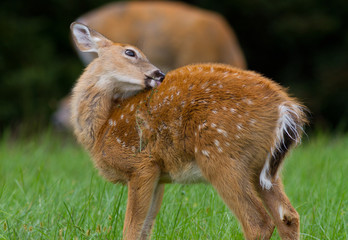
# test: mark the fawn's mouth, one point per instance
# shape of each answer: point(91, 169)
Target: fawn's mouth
point(155, 80)
point(151, 82)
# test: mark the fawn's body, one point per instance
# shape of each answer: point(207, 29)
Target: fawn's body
point(207, 122)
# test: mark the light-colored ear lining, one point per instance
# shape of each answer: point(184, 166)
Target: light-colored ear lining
point(82, 36)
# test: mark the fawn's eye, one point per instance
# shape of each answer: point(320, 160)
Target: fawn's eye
point(130, 53)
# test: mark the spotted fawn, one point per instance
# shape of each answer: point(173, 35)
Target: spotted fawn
point(208, 123)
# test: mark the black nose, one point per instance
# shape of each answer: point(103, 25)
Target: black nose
point(158, 75)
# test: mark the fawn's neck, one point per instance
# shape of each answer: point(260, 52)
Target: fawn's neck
point(92, 105)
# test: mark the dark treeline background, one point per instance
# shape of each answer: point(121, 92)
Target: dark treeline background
point(303, 44)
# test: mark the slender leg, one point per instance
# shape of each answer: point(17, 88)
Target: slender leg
point(141, 189)
point(154, 209)
point(235, 187)
point(284, 215)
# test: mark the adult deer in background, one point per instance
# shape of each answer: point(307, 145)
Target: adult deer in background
point(204, 123)
point(171, 34)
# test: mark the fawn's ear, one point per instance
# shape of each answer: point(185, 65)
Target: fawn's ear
point(87, 39)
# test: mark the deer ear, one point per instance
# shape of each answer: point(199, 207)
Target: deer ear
point(87, 39)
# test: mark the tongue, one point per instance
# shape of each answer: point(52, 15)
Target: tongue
point(154, 83)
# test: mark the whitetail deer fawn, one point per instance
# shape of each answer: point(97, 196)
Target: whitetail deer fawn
point(206, 122)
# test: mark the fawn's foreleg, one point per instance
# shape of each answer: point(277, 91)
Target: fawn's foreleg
point(143, 192)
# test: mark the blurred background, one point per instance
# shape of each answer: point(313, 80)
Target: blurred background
point(302, 44)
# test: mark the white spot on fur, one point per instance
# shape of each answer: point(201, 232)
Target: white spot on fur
point(207, 90)
point(132, 107)
point(213, 125)
point(220, 86)
point(224, 108)
point(226, 74)
point(127, 121)
point(248, 101)
point(232, 110)
point(265, 182)
point(216, 142)
point(214, 111)
point(205, 152)
point(111, 122)
point(252, 121)
point(122, 116)
point(196, 150)
point(222, 131)
point(239, 126)
point(219, 149)
point(118, 140)
point(280, 210)
point(204, 124)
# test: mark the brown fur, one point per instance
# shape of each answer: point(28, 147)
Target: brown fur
point(207, 122)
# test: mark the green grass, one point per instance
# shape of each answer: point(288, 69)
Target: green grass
point(49, 189)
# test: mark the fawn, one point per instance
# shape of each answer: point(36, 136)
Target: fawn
point(204, 123)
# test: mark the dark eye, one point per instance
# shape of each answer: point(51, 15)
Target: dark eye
point(130, 53)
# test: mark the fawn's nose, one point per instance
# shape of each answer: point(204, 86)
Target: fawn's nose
point(158, 75)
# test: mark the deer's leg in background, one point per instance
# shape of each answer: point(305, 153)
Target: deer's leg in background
point(154, 209)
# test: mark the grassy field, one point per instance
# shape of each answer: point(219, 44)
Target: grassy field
point(50, 190)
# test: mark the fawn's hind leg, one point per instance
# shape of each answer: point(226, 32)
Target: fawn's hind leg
point(284, 215)
point(234, 186)
point(141, 191)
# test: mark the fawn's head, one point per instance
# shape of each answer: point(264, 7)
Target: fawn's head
point(122, 68)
